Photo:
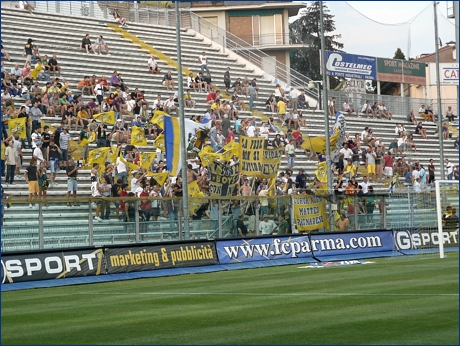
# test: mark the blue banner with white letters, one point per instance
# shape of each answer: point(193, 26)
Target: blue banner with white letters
point(345, 65)
point(300, 246)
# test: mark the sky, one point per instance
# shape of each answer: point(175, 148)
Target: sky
point(363, 36)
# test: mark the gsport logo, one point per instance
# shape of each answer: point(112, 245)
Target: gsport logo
point(406, 240)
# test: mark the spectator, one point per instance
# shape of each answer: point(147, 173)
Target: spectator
point(152, 65)
point(24, 5)
point(5, 53)
point(367, 108)
point(238, 87)
point(449, 114)
point(281, 105)
point(31, 178)
point(293, 98)
point(331, 107)
point(445, 130)
point(169, 105)
point(203, 59)
point(101, 43)
point(431, 115)
point(168, 81)
point(200, 83)
point(449, 168)
point(290, 153)
point(119, 18)
point(347, 109)
point(419, 130)
point(54, 154)
point(227, 81)
point(456, 143)
point(302, 101)
point(42, 181)
point(188, 101)
point(72, 185)
point(84, 85)
point(370, 164)
point(86, 44)
point(27, 52)
point(10, 161)
point(411, 117)
point(279, 92)
point(53, 65)
point(385, 112)
point(252, 97)
point(208, 81)
point(267, 226)
point(191, 83)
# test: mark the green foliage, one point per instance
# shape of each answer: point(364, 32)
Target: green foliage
point(399, 54)
point(393, 301)
point(307, 30)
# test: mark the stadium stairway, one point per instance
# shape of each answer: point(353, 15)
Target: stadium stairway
point(130, 59)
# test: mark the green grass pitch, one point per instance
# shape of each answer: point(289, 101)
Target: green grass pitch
point(410, 300)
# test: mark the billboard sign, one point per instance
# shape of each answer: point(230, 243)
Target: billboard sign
point(345, 65)
point(325, 244)
point(401, 71)
point(51, 265)
point(448, 73)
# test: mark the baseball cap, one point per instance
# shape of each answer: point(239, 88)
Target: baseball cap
point(38, 143)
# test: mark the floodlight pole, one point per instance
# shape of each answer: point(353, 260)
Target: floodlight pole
point(330, 191)
point(438, 87)
point(183, 150)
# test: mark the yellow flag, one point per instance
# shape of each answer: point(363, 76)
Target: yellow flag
point(131, 166)
point(107, 117)
point(92, 138)
point(321, 172)
point(193, 188)
point(158, 118)
point(114, 154)
point(232, 146)
point(159, 177)
point(138, 136)
point(34, 73)
point(75, 150)
point(159, 143)
point(18, 126)
point(207, 155)
point(227, 155)
point(195, 201)
point(84, 142)
point(146, 159)
point(318, 144)
point(98, 156)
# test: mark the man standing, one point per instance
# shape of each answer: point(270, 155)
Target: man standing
point(431, 170)
point(204, 63)
point(422, 175)
point(30, 175)
point(301, 179)
point(267, 226)
point(370, 163)
point(293, 96)
point(290, 153)
point(388, 165)
point(252, 97)
point(227, 80)
point(72, 186)
point(449, 169)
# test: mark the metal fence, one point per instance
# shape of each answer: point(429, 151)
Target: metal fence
point(56, 226)
point(395, 104)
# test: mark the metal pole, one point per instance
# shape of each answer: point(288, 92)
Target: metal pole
point(183, 150)
point(41, 231)
point(90, 224)
point(137, 220)
point(330, 191)
point(438, 87)
point(456, 14)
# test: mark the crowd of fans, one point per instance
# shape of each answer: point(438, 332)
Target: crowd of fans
point(46, 94)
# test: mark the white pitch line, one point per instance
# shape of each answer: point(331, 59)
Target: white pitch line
point(277, 295)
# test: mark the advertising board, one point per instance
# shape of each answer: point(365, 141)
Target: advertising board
point(345, 65)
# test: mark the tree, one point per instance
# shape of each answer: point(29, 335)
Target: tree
point(307, 30)
point(399, 54)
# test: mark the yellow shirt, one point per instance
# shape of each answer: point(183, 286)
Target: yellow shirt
point(281, 107)
point(214, 106)
point(3, 151)
point(82, 114)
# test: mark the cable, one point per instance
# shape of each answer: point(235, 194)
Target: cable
point(388, 24)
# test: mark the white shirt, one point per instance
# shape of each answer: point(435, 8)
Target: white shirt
point(365, 186)
point(415, 174)
point(203, 59)
point(449, 168)
point(250, 131)
point(294, 94)
point(263, 131)
point(347, 153)
point(121, 167)
point(35, 138)
point(417, 187)
point(135, 184)
point(130, 105)
point(364, 134)
point(365, 106)
point(38, 153)
point(169, 103)
point(266, 227)
point(157, 102)
point(152, 62)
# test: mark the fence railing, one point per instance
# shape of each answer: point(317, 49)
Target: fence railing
point(395, 104)
point(50, 223)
